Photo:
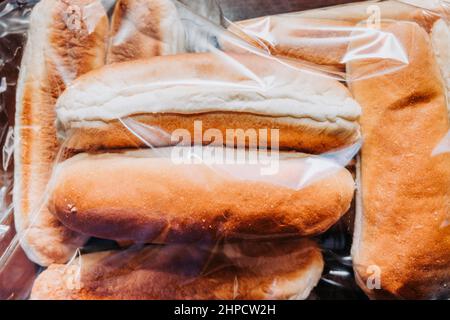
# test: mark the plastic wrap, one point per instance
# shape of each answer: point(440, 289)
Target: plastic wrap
point(176, 154)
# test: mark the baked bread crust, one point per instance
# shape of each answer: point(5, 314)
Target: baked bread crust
point(402, 227)
point(141, 197)
point(65, 40)
point(137, 131)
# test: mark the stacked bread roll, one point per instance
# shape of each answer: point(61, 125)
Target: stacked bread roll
point(401, 243)
point(56, 28)
point(118, 176)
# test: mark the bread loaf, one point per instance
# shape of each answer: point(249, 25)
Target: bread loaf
point(402, 235)
point(64, 40)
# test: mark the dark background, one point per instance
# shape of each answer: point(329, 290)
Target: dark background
point(245, 9)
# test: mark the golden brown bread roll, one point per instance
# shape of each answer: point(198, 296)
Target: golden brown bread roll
point(141, 196)
point(145, 28)
point(64, 40)
point(402, 232)
point(161, 272)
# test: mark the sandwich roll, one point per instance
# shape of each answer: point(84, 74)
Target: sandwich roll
point(143, 197)
point(64, 40)
point(322, 36)
point(312, 112)
point(141, 29)
point(402, 230)
point(159, 272)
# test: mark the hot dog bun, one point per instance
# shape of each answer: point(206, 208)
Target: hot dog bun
point(402, 234)
point(141, 196)
point(313, 113)
point(64, 41)
point(159, 272)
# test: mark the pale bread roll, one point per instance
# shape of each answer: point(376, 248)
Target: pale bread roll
point(145, 28)
point(64, 41)
point(290, 272)
point(312, 112)
point(141, 196)
point(402, 231)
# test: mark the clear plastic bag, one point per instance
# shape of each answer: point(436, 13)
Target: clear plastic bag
point(191, 152)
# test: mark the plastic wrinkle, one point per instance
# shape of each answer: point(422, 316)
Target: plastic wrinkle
point(8, 148)
point(151, 136)
point(378, 45)
point(6, 209)
point(443, 146)
point(3, 85)
point(343, 156)
point(3, 230)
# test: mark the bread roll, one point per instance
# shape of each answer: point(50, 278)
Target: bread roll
point(64, 41)
point(159, 272)
point(141, 196)
point(145, 28)
point(312, 112)
point(402, 233)
point(321, 36)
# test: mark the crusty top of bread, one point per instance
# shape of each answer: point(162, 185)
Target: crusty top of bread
point(204, 82)
point(143, 29)
point(293, 170)
point(285, 270)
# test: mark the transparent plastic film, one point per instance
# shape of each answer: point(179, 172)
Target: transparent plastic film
point(321, 37)
point(182, 155)
point(202, 271)
point(227, 116)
